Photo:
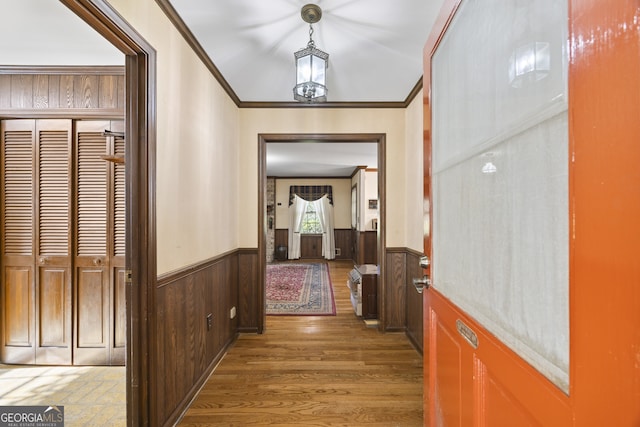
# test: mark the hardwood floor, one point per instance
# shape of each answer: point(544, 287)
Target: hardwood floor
point(315, 371)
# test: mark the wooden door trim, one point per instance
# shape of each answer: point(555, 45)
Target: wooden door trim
point(140, 119)
point(263, 140)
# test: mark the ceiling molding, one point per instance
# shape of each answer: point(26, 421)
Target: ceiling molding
point(320, 178)
point(337, 138)
point(294, 104)
point(191, 40)
point(197, 48)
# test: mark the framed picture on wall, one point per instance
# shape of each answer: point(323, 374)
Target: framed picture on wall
point(373, 203)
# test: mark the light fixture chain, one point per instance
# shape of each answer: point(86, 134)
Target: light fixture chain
point(311, 42)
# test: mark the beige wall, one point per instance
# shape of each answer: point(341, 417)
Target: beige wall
point(370, 193)
point(207, 152)
point(323, 120)
point(413, 175)
point(197, 147)
point(341, 200)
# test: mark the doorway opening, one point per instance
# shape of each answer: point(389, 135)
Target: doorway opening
point(263, 222)
point(140, 240)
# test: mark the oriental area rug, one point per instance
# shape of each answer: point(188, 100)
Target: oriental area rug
point(299, 290)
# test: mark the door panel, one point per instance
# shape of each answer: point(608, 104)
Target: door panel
point(43, 321)
point(118, 216)
point(52, 307)
point(18, 314)
point(93, 304)
point(501, 407)
point(18, 281)
point(603, 109)
point(54, 317)
point(483, 385)
point(53, 241)
point(36, 212)
point(99, 259)
point(92, 259)
point(448, 388)
point(497, 189)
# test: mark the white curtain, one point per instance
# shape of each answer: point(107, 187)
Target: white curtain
point(296, 215)
point(324, 210)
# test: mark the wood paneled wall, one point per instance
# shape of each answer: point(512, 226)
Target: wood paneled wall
point(311, 246)
point(403, 304)
point(365, 247)
point(194, 324)
point(185, 299)
point(69, 91)
point(414, 301)
point(248, 291)
point(343, 241)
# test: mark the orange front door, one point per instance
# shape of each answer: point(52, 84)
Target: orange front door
point(532, 188)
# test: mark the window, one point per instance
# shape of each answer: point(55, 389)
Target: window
point(311, 221)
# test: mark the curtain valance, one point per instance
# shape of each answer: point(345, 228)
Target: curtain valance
point(310, 193)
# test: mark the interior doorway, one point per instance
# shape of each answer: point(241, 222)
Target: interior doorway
point(263, 223)
point(140, 240)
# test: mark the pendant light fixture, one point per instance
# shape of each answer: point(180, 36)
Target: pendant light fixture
point(311, 63)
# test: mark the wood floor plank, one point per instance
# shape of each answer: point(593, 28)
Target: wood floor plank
point(314, 371)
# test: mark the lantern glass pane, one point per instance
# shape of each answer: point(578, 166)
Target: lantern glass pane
point(318, 66)
point(303, 67)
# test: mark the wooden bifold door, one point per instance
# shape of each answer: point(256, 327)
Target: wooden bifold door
point(63, 240)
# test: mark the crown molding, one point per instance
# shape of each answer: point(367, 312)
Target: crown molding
point(191, 40)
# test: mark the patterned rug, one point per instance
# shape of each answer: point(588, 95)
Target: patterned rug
point(299, 290)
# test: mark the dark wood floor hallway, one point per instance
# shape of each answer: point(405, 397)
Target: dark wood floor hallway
point(315, 371)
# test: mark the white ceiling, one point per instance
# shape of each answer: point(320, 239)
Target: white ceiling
point(375, 55)
point(374, 46)
point(45, 32)
point(328, 159)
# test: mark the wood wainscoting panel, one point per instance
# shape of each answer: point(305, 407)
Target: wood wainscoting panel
point(414, 309)
point(364, 247)
point(403, 303)
point(311, 246)
point(248, 291)
point(342, 242)
point(194, 329)
point(395, 290)
point(281, 237)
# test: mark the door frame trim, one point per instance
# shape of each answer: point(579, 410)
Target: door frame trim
point(140, 122)
point(263, 140)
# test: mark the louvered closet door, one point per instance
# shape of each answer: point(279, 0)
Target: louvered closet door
point(117, 247)
point(53, 242)
point(18, 282)
point(99, 258)
point(36, 285)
